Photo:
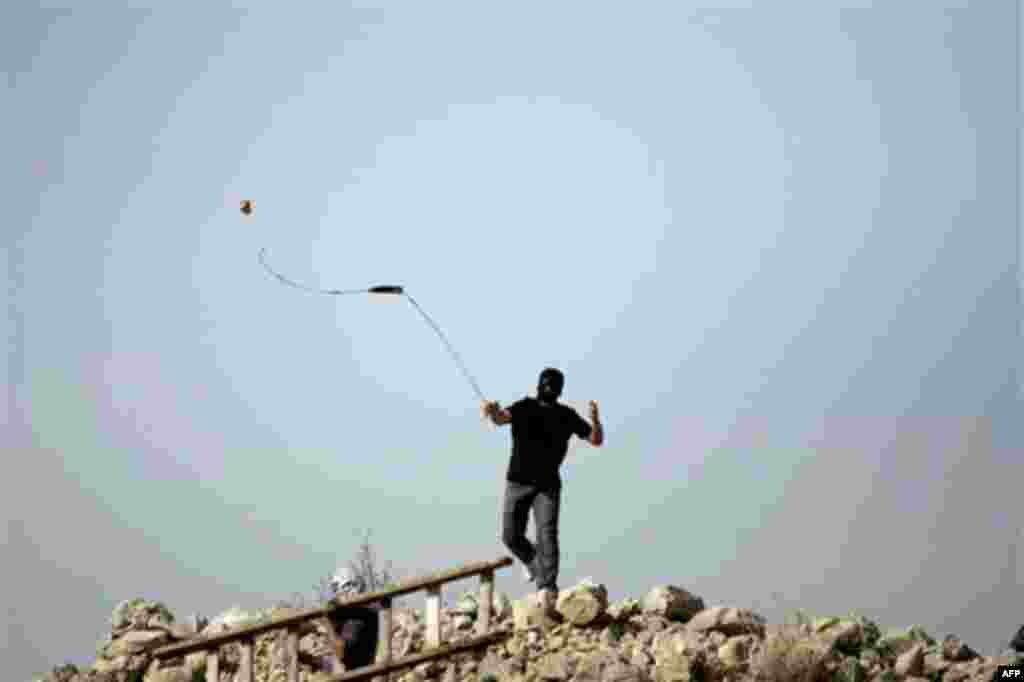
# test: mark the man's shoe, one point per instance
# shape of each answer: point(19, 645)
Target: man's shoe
point(547, 601)
point(529, 574)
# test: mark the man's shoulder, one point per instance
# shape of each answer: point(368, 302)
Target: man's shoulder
point(568, 410)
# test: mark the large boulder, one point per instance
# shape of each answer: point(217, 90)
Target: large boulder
point(673, 603)
point(843, 635)
point(529, 613)
point(728, 621)
point(137, 641)
point(667, 646)
point(784, 656)
point(186, 629)
point(583, 603)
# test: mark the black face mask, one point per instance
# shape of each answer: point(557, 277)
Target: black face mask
point(549, 387)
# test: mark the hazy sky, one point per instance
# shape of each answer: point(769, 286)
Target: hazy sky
point(777, 244)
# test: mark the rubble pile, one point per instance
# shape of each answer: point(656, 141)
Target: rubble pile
point(668, 635)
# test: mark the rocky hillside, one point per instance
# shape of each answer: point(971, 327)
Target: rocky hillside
point(669, 635)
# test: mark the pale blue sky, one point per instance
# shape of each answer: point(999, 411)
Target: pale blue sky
point(776, 242)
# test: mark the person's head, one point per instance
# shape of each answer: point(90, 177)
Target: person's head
point(549, 385)
point(346, 582)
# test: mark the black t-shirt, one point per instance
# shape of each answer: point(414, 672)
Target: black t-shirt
point(358, 627)
point(540, 440)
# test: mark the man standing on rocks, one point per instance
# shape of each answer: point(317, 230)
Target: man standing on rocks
point(541, 428)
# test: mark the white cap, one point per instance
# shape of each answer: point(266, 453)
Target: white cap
point(347, 581)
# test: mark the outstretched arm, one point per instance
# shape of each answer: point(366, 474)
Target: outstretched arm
point(497, 414)
point(596, 430)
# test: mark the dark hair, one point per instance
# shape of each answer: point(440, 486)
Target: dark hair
point(554, 374)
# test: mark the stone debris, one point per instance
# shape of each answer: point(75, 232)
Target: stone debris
point(668, 635)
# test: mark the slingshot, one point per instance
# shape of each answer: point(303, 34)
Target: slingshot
point(380, 289)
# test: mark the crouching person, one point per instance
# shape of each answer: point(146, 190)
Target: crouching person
point(354, 629)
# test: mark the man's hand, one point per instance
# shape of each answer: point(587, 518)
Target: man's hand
point(497, 415)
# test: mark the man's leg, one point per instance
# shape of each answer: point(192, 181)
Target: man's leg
point(546, 507)
point(514, 517)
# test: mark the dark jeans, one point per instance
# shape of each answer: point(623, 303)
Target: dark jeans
point(545, 503)
point(358, 627)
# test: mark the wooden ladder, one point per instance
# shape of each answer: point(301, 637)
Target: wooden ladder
point(384, 664)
